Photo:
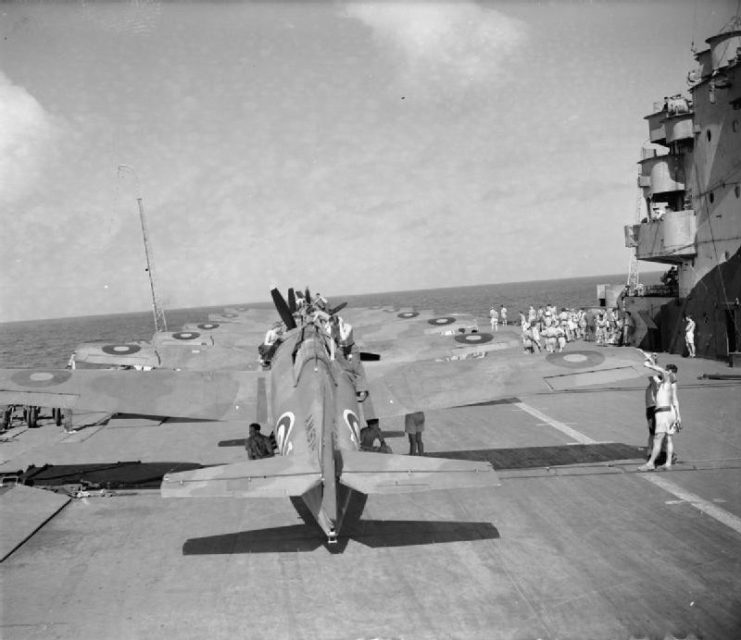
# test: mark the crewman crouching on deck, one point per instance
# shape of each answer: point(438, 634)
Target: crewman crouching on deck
point(368, 436)
point(258, 446)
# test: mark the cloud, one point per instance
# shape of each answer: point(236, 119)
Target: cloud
point(444, 41)
point(26, 130)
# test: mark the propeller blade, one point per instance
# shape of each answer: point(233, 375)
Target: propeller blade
point(366, 356)
point(339, 307)
point(281, 307)
point(307, 295)
point(292, 300)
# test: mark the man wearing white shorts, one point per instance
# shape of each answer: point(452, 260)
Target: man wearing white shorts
point(666, 413)
point(494, 318)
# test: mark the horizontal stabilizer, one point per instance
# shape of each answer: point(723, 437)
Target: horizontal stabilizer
point(276, 477)
point(370, 473)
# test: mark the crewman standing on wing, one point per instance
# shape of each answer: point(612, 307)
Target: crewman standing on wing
point(346, 337)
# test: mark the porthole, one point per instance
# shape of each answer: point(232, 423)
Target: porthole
point(711, 197)
point(708, 135)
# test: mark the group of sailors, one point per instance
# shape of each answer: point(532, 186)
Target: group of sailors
point(550, 329)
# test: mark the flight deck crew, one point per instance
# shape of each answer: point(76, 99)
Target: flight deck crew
point(650, 411)
point(346, 339)
point(494, 318)
point(689, 335)
point(368, 436)
point(270, 343)
point(666, 413)
point(258, 446)
point(414, 425)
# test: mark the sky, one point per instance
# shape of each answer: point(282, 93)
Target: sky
point(353, 147)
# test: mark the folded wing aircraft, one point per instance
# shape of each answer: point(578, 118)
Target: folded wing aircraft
point(315, 410)
point(317, 416)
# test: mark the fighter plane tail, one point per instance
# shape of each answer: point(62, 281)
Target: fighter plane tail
point(378, 473)
point(276, 477)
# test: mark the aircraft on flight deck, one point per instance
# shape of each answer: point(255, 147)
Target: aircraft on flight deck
point(310, 395)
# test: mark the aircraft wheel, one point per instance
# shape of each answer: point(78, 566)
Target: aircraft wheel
point(32, 417)
point(57, 415)
point(7, 415)
point(67, 419)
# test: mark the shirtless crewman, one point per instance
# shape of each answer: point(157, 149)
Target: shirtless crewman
point(666, 413)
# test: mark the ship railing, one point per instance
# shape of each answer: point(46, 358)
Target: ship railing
point(653, 291)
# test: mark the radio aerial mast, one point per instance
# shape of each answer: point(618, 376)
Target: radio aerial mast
point(160, 323)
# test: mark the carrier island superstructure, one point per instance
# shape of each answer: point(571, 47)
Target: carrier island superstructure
point(689, 215)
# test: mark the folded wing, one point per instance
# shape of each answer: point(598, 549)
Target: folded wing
point(436, 384)
point(212, 395)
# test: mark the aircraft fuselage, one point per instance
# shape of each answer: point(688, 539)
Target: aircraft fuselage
point(316, 413)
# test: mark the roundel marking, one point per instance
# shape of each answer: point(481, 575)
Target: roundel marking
point(352, 422)
point(40, 378)
point(121, 349)
point(441, 321)
point(576, 359)
point(474, 338)
point(186, 335)
point(209, 325)
point(405, 315)
point(283, 431)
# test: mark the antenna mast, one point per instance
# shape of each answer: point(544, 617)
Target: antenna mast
point(160, 324)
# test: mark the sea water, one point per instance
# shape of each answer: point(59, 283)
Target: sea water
point(49, 343)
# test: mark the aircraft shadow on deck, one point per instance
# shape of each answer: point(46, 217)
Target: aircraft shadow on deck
point(551, 456)
point(371, 533)
point(126, 474)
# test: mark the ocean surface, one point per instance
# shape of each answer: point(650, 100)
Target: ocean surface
point(49, 343)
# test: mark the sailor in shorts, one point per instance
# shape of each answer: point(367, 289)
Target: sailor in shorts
point(666, 413)
point(494, 318)
point(414, 425)
point(651, 412)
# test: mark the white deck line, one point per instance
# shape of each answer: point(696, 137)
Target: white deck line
point(705, 506)
point(563, 428)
